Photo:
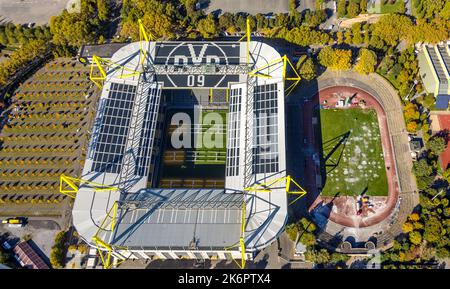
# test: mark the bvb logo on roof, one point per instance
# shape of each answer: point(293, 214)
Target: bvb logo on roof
point(197, 54)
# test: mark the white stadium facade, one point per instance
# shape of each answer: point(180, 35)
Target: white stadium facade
point(126, 212)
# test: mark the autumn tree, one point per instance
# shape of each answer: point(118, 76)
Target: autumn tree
point(411, 111)
point(408, 227)
point(342, 8)
point(207, 27)
point(366, 62)
point(158, 17)
point(353, 9)
point(335, 59)
point(308, 69)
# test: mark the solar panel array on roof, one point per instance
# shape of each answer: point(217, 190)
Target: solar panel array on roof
point(265, 147)
point(29, 257)
point(111, 139)
point(234, 122)
point(148, 130)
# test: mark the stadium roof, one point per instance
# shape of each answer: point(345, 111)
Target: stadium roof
point(120, 150)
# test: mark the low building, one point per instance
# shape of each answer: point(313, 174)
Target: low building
point(28, 257)
point(434, 65)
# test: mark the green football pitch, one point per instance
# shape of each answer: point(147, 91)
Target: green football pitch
point(352, 155)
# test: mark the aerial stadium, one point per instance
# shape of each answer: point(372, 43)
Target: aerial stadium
point(141, 196)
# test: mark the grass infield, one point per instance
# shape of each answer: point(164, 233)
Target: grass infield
point(352, 155)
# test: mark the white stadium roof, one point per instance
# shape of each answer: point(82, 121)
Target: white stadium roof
point(120, 151)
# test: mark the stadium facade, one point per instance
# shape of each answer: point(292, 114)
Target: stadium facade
point(127, 213)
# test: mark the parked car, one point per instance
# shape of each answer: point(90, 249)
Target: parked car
point(6, 246)
point(14, 222)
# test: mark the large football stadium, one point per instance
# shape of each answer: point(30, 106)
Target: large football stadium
point(142, 195)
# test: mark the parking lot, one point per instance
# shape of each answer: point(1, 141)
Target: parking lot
point(42, 233)
point(30, 11)
point(249, 6)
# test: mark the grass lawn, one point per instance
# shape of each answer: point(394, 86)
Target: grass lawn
point(386, 8)
point(352, 155)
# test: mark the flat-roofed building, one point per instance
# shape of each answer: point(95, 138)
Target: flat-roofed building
point(434, 65)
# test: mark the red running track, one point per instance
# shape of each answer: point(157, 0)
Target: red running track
point(350, 219)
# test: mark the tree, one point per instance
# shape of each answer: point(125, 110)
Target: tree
point(207, 27)
point(326, 56)
point(308, 239)
point(158, 17)
point(445, 12)
point(437, 145)
point(411, 112)
point(422, 168)
point(356, 32)
point(226, 21)
point(292, 6)
point(342, 8)
point(446, 175)
point(103, 7)
point(58, 250)
point(433, 230)
point(414, 217)
point(348, 37)
point(291, 231)
point(319, 257)
point(415, 237)
point(308, 69)
point(339, 37)
point(3, 257)
point(363, 6)
point(335, 59)
point(407, 227)
point(391, 28)
point(366, 62)
point(353, 9)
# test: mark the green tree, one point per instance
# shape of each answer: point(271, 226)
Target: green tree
point(366, 62)
point(226, 21)
point(363, 6)
point(415, 237)
point(422, 168)
point(356, 32)
point(433, 230)
point(353, 9)
point(308, 69)
point(437, 145)
point(445, 12)
point(342, 8)
point(407, 227)
point(335, 59)
point(207, 27)
point(103, 7)
point(307, 239)
point(291, 231)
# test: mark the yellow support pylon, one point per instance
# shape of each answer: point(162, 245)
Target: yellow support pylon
point(101, 244)
point(285, 61)
point(100, 63)
point(241, 243)
point(69, 186)
point(143, 36)
point(266, 187)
